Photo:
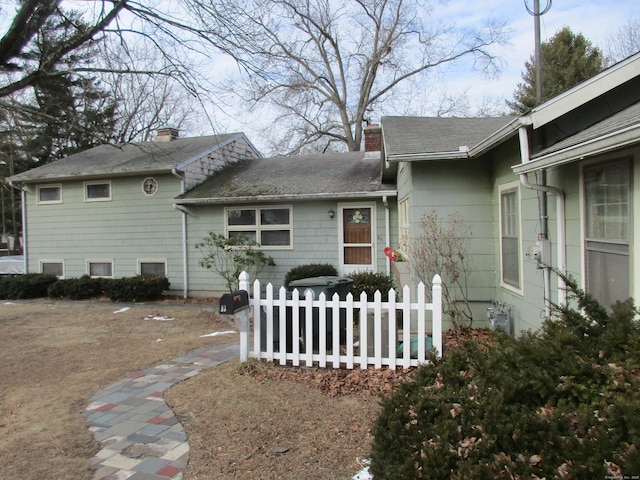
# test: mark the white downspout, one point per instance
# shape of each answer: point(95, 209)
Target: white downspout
point(185, 258)
point(25, 254)
point(23, 199)
point(387, 228)
point(560, 219)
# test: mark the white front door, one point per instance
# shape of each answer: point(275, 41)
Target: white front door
point(357, 237)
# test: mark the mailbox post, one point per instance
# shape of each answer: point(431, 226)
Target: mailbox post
point(236, 304)
point(231, 303)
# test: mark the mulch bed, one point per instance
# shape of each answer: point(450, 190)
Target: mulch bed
point(338, 382)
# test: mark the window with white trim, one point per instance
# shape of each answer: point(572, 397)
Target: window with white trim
point(607, 197)
point(49, 194)
point(97, 191)
point(52, 267)
point(268, 226)
point(152, 267)
point(100, 268)
point(510, 257)
point(149, 186)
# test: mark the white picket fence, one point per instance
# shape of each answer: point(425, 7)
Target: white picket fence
point(295, 329)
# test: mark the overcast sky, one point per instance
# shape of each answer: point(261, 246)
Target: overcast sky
point(595, 19)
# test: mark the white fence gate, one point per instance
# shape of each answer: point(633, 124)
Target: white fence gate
point(344, 333)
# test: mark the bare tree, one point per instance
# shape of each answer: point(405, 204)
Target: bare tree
point(324, 66)
point(441, 247)
point(624, 42)
point(126, 22)
point(148, 102)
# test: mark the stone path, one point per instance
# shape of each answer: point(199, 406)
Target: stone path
point(141, 437)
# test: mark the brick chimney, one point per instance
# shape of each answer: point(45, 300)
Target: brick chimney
point(372, 138)
point(166, 134)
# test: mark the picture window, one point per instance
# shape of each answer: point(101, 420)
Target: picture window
point(269, 226)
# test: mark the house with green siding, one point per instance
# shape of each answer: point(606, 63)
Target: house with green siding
point(117, 211)
point(554, 189)
point(331, 208)
point(110, 211)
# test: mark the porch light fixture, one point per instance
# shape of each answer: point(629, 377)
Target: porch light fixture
point(331, 214)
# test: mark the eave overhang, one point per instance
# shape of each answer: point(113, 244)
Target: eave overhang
point(590, 148)
point(284, 198)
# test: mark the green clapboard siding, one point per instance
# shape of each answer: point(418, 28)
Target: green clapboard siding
point(130, 227)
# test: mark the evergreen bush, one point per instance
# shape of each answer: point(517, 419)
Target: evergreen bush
point(370, 282)
point(308, 271)
point(30, 285)
point(135, 289)
point(81, 288)
point(558, 403)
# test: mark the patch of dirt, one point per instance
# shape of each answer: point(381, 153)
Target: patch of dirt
point(252, 421)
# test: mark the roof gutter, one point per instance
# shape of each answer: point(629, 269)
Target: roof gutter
point(596, 146)
point(280, 198)
point(92, 175)
point(461, 154)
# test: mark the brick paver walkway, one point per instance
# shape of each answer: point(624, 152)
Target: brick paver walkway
point(141, 437)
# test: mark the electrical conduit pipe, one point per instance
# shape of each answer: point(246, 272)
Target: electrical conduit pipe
point(560, 219)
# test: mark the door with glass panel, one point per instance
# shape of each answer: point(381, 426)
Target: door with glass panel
point(357, 234)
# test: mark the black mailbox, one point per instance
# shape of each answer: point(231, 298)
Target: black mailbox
point(232, 302)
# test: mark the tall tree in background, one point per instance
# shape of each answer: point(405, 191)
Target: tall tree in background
point(64, 112)
point(324, 66)
point(567, 59)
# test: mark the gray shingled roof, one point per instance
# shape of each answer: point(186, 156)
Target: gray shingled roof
point(310, 176)
point(415, 135)
point(131, 158)
point(626, 118)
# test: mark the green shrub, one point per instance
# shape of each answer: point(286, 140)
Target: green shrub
point(308, 271)
point(81, 288)
point(30, 285)
point(558, 403)
point(135, 289)
point(370, 282)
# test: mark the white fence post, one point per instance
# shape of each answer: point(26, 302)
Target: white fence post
point(243, 317)
point(437, 313)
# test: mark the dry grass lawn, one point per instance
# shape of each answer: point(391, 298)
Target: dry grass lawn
point(55, 355)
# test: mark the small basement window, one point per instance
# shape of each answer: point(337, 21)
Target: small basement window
point(52, 268)
point(100, 269)
point(150, 267)
point(97, 191)
point(49, 194)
